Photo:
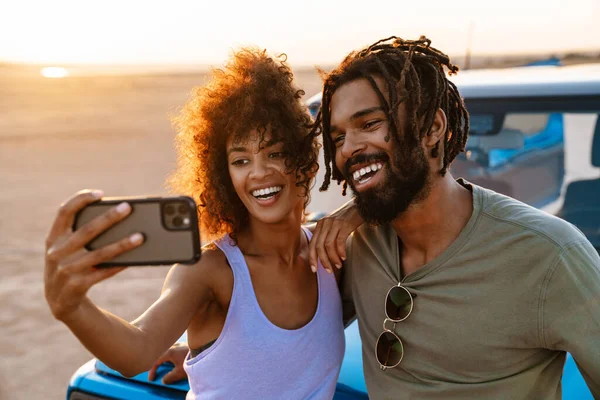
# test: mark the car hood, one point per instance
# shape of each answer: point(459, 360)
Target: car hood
point(143, 377)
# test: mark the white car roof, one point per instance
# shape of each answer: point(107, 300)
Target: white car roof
point(573, 80)
point(533, 81)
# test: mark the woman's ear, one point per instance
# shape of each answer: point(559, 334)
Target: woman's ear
point(312, 172)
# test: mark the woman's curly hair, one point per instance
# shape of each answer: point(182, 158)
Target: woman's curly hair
point(252, 91)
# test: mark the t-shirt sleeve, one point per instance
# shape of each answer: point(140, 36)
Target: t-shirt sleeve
point(348, 310)
point(570, 309)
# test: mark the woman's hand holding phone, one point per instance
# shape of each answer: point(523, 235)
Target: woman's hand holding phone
point(69, 268)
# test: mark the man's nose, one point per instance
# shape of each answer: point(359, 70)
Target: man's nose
point(353, 145)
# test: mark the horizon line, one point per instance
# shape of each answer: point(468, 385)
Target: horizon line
point(190, 64)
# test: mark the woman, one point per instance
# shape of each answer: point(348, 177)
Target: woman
point(259, 323)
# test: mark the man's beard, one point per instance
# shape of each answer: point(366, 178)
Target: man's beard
point(406, 181)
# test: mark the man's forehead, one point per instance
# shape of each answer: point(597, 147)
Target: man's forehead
point(354, 96)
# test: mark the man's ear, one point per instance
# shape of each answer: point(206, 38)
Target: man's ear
point(435, 137)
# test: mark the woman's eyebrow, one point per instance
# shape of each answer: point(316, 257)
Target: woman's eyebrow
point(242, 149)
point(236, 149)
point(272, 142)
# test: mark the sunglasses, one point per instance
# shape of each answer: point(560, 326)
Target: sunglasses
point(398, 306)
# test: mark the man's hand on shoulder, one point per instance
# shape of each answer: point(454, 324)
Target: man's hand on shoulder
point(328, 243)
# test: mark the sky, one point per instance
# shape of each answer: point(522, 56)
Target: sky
point(310, 32)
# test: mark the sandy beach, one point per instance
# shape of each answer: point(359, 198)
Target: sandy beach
point(58, 136)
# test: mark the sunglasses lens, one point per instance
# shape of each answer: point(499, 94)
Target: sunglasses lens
point(398, 303)
point(389, 350)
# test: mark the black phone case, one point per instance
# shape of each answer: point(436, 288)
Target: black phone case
point(163, 245)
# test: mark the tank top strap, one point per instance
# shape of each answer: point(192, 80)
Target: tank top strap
point(231, 251)
point(307, 232)
point(327, 282)
point(241, 276)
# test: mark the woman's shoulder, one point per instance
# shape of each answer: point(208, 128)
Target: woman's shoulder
point(216, 269)
point(212, 262)
point(212, 257)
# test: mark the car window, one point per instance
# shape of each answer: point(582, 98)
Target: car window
point(542, 159)
point(525, 159)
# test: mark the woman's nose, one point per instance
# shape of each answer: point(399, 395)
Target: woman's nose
point(260, 169)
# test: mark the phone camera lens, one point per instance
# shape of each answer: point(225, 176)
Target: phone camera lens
point(177, 222)
point(169, 209)
point(183, 209)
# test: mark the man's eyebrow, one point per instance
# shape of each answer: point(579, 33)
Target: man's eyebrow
point(333, 129)
point(366, 111)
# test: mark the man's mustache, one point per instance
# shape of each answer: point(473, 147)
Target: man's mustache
point(364, 159)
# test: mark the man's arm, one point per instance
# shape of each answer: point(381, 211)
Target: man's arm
point(175, 355)
point(345, 287)
point(348, 309)
point(328, 243)
point(571, 309)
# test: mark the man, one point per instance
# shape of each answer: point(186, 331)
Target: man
point(483, 295)
point(459, 292)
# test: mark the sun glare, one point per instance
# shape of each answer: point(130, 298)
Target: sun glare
point(54, 72)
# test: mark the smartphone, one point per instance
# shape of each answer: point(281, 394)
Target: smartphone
point(169, 225)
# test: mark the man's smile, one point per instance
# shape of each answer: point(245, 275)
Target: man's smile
point(365, 169)
point(364, 174)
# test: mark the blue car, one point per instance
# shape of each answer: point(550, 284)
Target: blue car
point(535, 135)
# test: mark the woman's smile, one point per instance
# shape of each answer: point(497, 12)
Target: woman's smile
point(267, 196)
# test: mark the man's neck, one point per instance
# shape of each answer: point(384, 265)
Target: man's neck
point(429, 227)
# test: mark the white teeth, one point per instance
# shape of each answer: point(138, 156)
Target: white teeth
point(363, 171)
point(265, 191)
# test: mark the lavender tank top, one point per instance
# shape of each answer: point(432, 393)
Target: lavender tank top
point(255, 359)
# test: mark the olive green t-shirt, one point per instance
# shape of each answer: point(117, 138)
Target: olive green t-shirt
point(493, 315)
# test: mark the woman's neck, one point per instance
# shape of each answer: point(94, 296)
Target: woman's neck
point(282, 241)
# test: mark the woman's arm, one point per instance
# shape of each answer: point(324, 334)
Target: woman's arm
point(70, 272)
point(131, 348)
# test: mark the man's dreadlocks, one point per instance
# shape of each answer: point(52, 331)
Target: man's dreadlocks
point(414, 73)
